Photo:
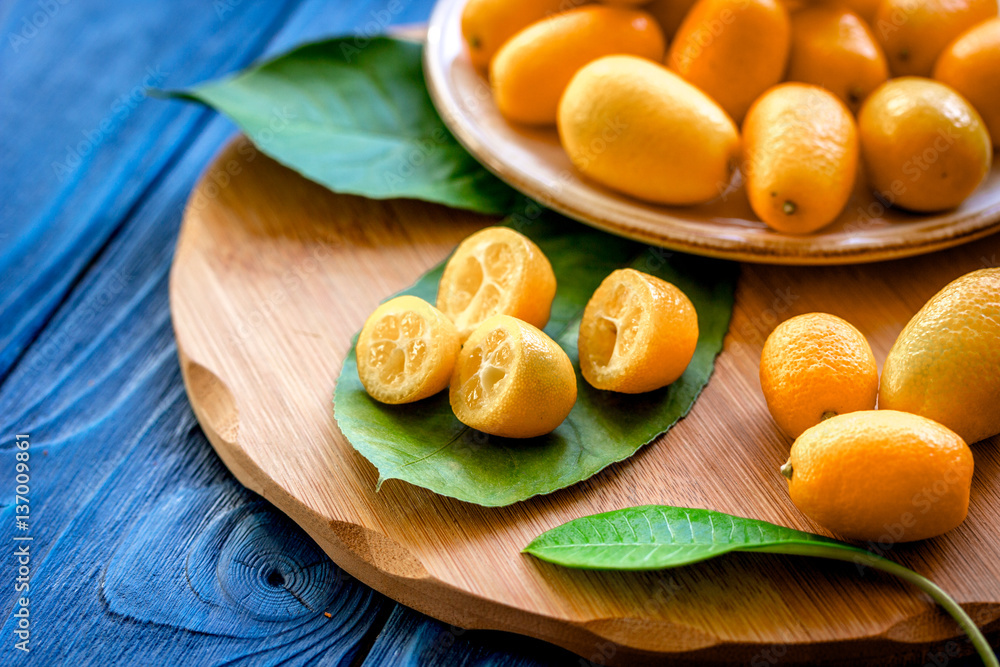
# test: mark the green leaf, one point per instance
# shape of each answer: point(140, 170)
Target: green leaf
point(358, 121)
point(657, 537)
point(424, 444)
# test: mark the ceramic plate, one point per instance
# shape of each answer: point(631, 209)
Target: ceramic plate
point(531, 160)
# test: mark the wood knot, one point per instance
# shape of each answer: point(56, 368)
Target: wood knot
point(271, 569)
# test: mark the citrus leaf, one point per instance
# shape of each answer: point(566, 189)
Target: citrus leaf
point(655, 537)
point(424, 444)
point(358, 121)
point(658, 537)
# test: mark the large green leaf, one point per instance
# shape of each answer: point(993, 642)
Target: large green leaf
point(424, 444)
point(656, 537)
point(357, 120)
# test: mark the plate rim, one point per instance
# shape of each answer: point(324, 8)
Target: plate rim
point(975, 225)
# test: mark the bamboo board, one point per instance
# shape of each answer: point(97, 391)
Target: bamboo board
point(273, 275)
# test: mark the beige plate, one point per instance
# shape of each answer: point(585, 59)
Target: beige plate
point(532, 161)
point(273, 275)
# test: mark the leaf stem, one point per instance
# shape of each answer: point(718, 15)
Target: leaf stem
point(861, 557)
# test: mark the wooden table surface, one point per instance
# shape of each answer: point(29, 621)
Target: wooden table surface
point(144, 549)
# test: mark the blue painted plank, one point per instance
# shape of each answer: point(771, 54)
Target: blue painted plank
point(145, 550)
point(86, 139)
point(414, 640)
point(82, 141)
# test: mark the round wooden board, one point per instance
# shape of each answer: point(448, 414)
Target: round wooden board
point(273, 275)
point(531, 159)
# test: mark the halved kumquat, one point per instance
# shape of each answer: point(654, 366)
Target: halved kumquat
point(638, 333)
point(496, 271)
point(406, 351)
point(512, 380)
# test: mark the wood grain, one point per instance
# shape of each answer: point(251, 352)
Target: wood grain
point(88, 148)
point(412, 639)
point(127, 496)
point(145, 550)
point(273, 275)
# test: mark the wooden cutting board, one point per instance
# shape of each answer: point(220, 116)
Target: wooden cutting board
point(273, 275)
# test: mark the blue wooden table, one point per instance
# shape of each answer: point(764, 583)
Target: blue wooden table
point(125, 539)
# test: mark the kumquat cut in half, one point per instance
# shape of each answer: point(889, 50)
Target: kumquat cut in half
point(638, 333)
point(512, 380)
point(496, 271)
point(406, 351)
